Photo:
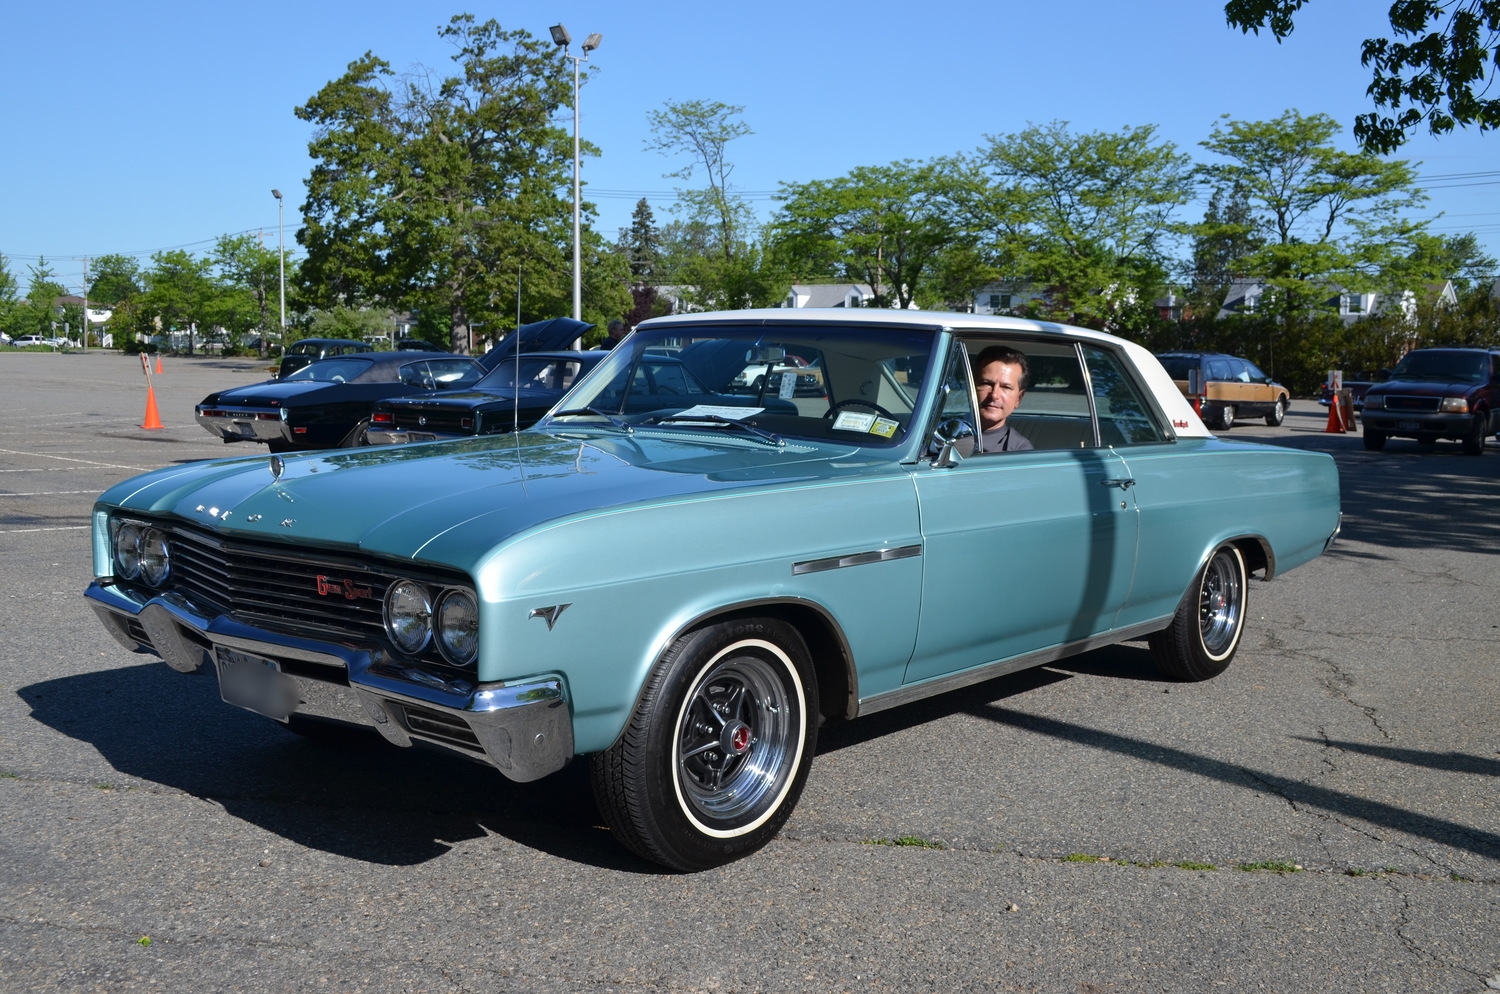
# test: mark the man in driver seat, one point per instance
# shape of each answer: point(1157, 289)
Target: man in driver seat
point(1000, 374)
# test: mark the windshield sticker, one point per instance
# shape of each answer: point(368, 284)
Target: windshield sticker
point(884, 427)
point(853, 421)
point(713, 411)
point(788, 385)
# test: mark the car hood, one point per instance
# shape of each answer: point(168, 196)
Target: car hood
point(271, 393)
point(451, 502)
point(1423, 388)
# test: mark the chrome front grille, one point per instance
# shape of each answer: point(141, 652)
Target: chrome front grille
point(315, 595)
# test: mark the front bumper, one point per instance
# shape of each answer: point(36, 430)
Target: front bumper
point(523, 729)
point(234, 424)
point(1415, 423)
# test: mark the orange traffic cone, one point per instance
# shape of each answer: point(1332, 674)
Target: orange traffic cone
point(153, 420)
point(158, 362)
point(1336, 423)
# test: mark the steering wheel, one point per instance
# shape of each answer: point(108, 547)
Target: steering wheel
point(851, 401)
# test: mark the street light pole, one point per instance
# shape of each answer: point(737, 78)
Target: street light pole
point(563, 39)
point(281, 258)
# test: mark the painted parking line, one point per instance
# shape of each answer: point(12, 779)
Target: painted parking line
point(59, 528)
point(50, 493)
point(86, 462)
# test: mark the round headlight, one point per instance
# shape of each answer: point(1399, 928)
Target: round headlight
point(128, 550)
point(458, 626)
point(408, 616)
point(155, 557)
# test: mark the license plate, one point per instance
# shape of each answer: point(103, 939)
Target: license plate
point(421, 436)
point(1409, 425)
point(254, 683)
point(243, 428)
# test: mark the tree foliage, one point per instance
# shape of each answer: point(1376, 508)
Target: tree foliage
point(1087, 216)
point(1439, 67)
point(433, 193)
point(116, 278)
point(703, 130)
point(885, 226)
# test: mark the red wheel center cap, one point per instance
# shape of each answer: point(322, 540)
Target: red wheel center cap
point(736, 738)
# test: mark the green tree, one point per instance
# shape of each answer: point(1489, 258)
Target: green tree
point(703, 131)
point(249, 278)
point(180, 293)
point(1222, 242)
point(641, 242)
point(10, 302)
point(1087, 216)
point(885, 226)
point(432, 193)
point(38, 315)
point(1327, 219)
point(1440, 67)
point(115, 278)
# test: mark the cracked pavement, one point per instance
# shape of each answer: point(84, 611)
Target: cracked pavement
point(1325, 816)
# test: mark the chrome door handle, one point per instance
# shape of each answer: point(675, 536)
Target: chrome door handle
point(1122, 484)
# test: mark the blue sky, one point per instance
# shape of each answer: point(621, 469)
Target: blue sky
point(151, 125)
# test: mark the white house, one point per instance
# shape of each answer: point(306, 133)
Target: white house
point(1244, 297)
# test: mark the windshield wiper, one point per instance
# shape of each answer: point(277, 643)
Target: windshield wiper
point(597, 413)
point(717, 419)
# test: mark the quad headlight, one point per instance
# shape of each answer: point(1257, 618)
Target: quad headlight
point(142, 552)
point(458, 626)
point(416, 614)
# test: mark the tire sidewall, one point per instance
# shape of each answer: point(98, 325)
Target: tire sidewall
point(697, 840)
point(1217, 661)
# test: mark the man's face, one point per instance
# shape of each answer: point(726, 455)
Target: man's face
point(998, 386)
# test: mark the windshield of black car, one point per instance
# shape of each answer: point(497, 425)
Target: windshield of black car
point(330, 371)
point(1459, 367)
point(848, 383)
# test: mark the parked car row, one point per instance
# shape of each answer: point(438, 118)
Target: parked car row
point(679, 579)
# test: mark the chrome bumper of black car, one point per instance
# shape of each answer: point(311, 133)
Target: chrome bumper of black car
point(244, 425)
point(400, 436)
point(522, 729)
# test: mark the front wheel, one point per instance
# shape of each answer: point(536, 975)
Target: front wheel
point(1475, 437)
point(1205, 632)
point(1278, 413)
point(714, 758)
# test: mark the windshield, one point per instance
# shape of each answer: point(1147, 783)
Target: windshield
point(535, 373)
point(844, 383)
point(330, 371)
point(1458, 367)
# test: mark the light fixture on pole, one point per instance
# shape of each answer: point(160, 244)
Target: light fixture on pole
point(281, 256)
point(563, 39)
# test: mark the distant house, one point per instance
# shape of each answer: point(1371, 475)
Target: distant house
point(831, 295)
point(1244, 298)
point(1006, 297)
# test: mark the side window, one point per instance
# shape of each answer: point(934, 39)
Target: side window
point(1218, 370)
point(957, 398)
point(1125, 418)
point(1053, 412)
point(416, 374)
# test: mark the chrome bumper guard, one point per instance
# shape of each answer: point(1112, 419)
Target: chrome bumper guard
point(522, 729)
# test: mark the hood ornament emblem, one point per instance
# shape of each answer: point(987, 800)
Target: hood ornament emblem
point(278, 466)
point(549, 614)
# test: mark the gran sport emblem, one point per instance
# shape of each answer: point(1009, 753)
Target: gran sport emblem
point(329, 586)
point(422, 421)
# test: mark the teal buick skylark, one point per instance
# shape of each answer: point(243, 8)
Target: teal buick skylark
point(737, 527)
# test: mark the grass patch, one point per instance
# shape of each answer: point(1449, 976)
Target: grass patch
point(1187, 864)
point(1081, 857)
point(907, 840)
point(1270, 866)
point(144, 940)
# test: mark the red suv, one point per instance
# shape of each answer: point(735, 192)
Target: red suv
point(1436, 393)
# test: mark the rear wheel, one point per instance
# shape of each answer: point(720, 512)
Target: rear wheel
point(1374, 439)
point(1205, 632)
point(712, 762)
point(1278, 413)
point(1226, 417)
point(356, 436)
point(1474, 438)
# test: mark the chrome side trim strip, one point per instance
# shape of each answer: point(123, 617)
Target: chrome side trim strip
point(989, 671)
point(855, 559)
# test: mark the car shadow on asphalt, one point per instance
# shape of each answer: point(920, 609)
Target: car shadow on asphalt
point(353, 795)
point(1410, 495)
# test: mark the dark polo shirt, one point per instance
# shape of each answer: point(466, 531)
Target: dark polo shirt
point(1003, 439)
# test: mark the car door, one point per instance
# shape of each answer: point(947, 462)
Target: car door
point(1022, 551)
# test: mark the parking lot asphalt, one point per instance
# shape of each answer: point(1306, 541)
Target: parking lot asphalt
point(1325, 816)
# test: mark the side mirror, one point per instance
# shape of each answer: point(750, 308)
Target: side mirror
point(952, 441)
